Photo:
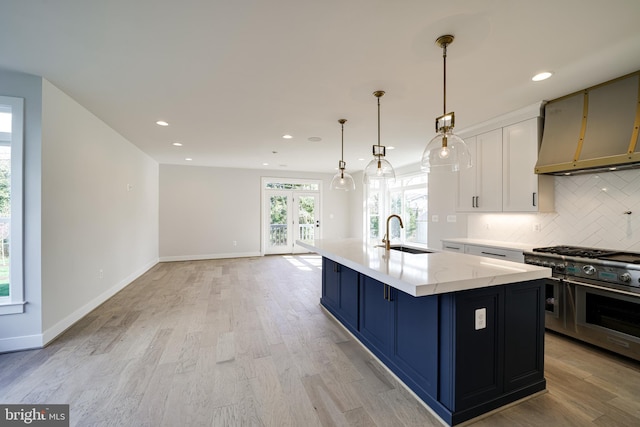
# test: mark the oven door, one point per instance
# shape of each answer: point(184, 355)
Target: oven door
point(554, 304)
point(609, 318)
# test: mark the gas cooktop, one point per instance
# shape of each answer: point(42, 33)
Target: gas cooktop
point(594, 253)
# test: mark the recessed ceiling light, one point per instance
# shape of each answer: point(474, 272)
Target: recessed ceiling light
point(265, 164)
point(162, 123)
point(390, 147)
point(287, 136)
point(188, 159)
point(314, 139)
point(177, 144)
point(541, 76)
point(361, 159)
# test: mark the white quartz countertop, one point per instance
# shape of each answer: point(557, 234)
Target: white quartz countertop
point(425, 274)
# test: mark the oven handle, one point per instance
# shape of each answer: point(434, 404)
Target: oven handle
point(603, 288)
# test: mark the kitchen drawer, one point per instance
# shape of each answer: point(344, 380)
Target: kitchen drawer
point(453, 247)
point(507, 254)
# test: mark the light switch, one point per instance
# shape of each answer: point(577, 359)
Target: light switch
point(451, 218)
point(435, 218)
point(481, 318)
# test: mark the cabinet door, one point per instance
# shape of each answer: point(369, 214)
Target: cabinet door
point(376, 316)
point(479, 346)
point(489, 171)
point(330, 284)
point(415, 332)
point(520, 152)
point(524, 334)
point(467, 180)
point(349, 282)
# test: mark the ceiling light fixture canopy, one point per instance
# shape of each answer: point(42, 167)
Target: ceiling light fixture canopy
point(379, 168)
point(446, 152)
point(342, 180)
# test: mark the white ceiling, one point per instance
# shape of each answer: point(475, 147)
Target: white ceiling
point(232, 76)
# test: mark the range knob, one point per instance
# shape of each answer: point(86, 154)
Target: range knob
point(560, 268)
point(625, 277)
point(589, 270)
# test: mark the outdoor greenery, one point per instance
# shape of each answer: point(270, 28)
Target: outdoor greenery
point(5, 212)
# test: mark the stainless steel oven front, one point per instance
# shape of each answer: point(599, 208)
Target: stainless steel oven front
point(608, 317)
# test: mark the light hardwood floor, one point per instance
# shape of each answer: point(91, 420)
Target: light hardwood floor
point(244, 342)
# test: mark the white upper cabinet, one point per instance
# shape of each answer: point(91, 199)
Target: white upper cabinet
point(480, 187)
point(502, 178)
point(522, 189)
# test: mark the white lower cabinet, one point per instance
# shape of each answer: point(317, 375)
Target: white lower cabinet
point(497, 252)
point(491, 252)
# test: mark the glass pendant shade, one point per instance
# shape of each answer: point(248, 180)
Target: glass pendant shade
point(446, 152)
point(343, 181)
point(379, 169)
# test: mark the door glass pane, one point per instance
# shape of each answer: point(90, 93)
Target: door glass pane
point(278, 235)
point(5, 199)
point(395, 208)
point(306, 218)
point(416, 212)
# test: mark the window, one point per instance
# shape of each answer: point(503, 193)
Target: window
point(406, 197)
point(11, 277)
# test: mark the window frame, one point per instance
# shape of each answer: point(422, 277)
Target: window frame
point(385, 198)
point(14, 303)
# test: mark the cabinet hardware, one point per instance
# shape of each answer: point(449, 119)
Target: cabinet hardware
point(452, 247)
point(477, 201)
point(533, 199)
point(491, 253)
point(387, 292)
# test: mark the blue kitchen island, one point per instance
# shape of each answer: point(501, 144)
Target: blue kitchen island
point(464, 333)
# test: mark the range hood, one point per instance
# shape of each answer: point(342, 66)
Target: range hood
point(593, 130)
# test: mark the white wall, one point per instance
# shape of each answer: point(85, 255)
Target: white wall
point(204, 209)
point(99, 211)
point(24, 330)
point(590, 211)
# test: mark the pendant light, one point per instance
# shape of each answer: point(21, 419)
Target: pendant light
point(342, 180)
point(446, 152)
point(379, 168)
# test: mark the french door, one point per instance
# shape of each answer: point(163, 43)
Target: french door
point(290, 215)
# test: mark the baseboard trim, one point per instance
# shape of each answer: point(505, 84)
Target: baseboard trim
point(26, 342)
point(57, 329)
point(209, 256)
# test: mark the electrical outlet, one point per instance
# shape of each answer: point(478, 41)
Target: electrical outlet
point(487, 226)
point(101, 274)
point(435, 218)
point(451, 218)
point(481, 318)
point(536, 227)
point(235, 243)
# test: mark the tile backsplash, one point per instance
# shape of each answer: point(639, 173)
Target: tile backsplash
point(595, 210)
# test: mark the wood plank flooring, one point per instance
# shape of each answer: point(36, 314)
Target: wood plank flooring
point(244, 342)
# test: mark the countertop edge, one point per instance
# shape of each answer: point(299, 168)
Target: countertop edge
point(437, 287)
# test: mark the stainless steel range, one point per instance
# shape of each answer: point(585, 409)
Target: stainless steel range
point(594, 295)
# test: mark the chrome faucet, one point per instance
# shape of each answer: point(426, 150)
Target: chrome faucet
point(387, 239)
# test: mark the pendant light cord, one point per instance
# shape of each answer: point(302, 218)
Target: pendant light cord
point(378, 123)
point(342, 152)
point(444, 61)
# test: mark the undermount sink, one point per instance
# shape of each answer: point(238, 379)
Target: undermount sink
point(410, 250)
